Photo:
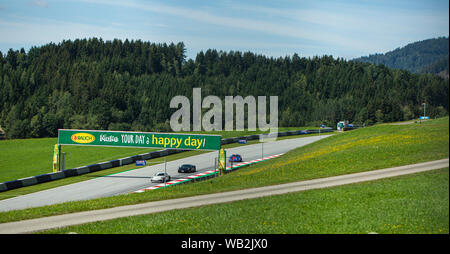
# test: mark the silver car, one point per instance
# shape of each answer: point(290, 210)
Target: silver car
point(160, 177)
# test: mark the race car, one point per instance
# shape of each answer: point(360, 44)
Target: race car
point(160, 177)
point(186, 168)
point(235, 158)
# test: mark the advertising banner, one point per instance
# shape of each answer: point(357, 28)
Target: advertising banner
point(139, 139)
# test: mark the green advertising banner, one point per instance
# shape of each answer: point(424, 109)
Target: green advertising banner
point(139, 139)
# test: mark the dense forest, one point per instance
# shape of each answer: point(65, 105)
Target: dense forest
point(427, 56)
point(128, 85)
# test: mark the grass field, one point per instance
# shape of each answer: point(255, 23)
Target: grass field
point(417, 203)
point(29, 157)
point(360, 150)
point(21, 158)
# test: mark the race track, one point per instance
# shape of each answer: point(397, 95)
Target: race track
point(138, 179)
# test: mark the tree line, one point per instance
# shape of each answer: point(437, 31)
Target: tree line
point(128, 85)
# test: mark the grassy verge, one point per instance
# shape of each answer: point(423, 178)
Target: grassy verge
point(416, 204)
point(355, 151)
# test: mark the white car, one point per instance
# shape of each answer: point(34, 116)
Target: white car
point(160, 177)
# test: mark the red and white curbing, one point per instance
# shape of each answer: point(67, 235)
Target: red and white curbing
point(189, 178)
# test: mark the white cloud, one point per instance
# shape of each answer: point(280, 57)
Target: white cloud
point(357, 26)
point(44, 31)
point(273, 28)
point(40, 3)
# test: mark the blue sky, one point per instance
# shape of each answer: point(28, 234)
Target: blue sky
point(346, 29)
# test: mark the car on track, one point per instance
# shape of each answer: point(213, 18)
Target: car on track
point(160, 177)
point(235, 158)
point(187, 168)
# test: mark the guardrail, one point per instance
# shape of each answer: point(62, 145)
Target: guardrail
point(32, 180)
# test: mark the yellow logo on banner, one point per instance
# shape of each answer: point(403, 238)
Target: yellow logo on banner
point(82, 138)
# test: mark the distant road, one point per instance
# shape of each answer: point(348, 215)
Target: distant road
point(403, 123)
point(180, 203)
point(138, 179)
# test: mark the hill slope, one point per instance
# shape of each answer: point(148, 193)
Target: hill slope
point(427, 56)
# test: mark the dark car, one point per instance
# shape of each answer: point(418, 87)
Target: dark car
point(187, 168)
point(235, 158)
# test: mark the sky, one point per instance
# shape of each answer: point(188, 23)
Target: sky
point(345, 29)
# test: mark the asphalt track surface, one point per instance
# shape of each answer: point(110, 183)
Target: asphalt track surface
point(133, 180)
point(40, 224)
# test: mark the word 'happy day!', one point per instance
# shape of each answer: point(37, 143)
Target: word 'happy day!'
point(170, 142)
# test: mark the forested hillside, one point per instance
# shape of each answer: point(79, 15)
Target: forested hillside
point(127, 85)
point(427, 56)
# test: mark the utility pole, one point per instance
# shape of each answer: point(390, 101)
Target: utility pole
point(262, 150)
point(59, 158)
point(215, 166)
point(165, 172)
point(424, 105)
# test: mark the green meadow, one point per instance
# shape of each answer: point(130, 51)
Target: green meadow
point(411, 204)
